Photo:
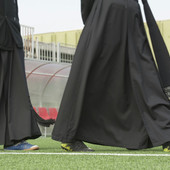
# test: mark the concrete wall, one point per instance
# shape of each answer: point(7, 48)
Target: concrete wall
point(66, 37)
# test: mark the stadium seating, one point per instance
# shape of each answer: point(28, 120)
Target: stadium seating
point(46, 113)
point(53, 113)
point(42, 111)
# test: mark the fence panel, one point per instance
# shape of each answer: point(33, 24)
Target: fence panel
point(63, 53)
point(28, 40)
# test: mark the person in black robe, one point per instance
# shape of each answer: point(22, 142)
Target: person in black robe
point(115, 94)
point(18, 120)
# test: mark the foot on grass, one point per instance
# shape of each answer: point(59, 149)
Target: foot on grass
point(166, 147)
point(77, 146)
point(22, 146)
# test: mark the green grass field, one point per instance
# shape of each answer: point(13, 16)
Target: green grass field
point(75, 162)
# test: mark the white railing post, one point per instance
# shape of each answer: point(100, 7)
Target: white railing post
point(37, 50)
point(28, 40)
point(32, 42)
point(53, 52)
point(58, 53)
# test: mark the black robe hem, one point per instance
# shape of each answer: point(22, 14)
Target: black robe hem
point(92, 141)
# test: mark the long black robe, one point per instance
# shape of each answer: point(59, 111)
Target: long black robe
point(17, 117)
point(114, 95)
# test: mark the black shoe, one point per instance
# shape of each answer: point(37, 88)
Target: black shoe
point(166, 147)
point(77, 146)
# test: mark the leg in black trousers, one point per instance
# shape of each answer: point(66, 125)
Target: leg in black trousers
point(17, 122)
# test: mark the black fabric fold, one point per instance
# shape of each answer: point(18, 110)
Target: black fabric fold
point(9, 25)
point(113, 94)
point(160, 49)
point(43, 122)
point(86, 6)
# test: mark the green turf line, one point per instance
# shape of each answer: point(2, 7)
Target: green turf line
point(51, 156)
point(87, 154)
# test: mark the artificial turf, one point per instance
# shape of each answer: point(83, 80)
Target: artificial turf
point(76, 162)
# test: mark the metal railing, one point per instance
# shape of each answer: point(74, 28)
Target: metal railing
point(27, 34)
point(51, 52)
point(63, 53)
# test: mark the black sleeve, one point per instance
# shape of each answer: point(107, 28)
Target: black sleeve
point(86, 6)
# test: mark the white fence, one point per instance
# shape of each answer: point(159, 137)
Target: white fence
point(52, 52)
point(45, 51)
point(28, 38)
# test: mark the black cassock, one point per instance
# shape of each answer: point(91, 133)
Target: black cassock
point(115, 94)
point(17, 117)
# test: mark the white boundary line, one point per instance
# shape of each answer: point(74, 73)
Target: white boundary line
point(88, 154)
